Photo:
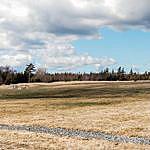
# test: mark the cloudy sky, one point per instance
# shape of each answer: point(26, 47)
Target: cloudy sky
point(75, 35)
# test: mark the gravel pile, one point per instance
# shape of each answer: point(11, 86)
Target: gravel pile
point(78, 133)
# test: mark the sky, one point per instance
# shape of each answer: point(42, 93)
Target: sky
point(75, 35)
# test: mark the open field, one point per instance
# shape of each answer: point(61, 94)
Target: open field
point(121, 108)
point(28, 141)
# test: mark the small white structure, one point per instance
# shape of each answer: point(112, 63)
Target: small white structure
point(18, 87)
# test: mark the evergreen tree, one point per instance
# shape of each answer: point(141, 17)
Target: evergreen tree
point(28, 71)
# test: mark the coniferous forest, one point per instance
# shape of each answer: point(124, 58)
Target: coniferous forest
point(30, 74)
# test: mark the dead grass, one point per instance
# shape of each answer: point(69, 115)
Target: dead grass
point(86, 90)
point(109, 110)
point(30, 141)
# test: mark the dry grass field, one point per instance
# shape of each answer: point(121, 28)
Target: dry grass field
point(121, 108)
point(28, 141)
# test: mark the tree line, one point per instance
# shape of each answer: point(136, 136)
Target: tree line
point(30, 74)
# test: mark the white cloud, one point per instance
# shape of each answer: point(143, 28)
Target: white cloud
point(14, 58)
point(64, 57)
point(43, 31)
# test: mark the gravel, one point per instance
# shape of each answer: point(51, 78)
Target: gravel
point(77, 133)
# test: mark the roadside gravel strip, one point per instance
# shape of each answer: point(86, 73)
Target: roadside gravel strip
point(77, 133)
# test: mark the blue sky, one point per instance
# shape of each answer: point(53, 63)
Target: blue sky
point(75, 35)
point(130, 48)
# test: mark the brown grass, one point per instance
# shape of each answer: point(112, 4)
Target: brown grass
point(124, 115)
point(30, 141)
